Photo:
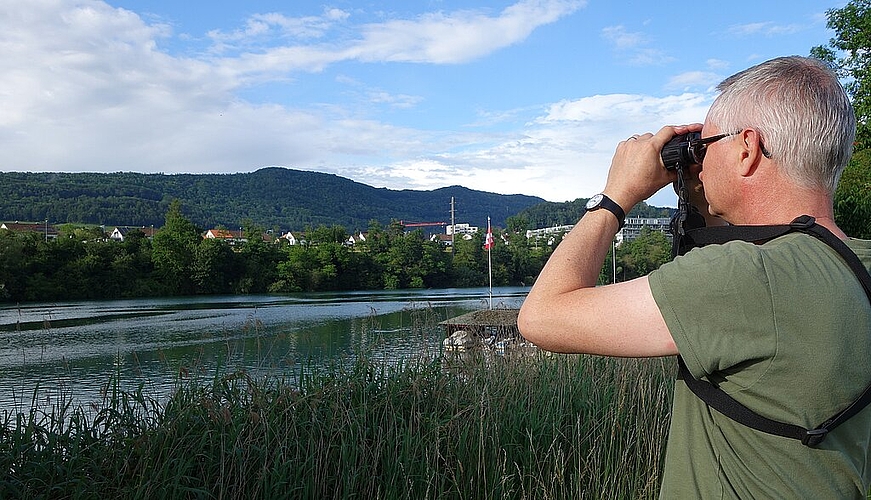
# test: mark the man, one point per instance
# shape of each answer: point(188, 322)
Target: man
point(783, 327)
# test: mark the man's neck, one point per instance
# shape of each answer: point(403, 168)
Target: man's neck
point(783, 209)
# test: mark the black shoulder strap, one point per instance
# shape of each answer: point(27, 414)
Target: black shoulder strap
point(715, 397)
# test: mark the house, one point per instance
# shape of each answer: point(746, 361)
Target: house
point(356, 238)
point(289, 238)
point(634, 225)
point(120, 232)
point(548, 232)
point(461, 229)
point(46, 229)
point(231, 237)
point(631, 230)
point(444, 239)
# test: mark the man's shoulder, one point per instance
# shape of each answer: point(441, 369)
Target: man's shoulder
point(717, 253)
point(862, 248)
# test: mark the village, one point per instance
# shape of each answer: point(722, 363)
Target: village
point(445, 235)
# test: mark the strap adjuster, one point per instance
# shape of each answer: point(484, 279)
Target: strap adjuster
point(814, 437)
point(802, 222)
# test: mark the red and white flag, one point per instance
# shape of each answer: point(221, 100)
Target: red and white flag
point(488, 243)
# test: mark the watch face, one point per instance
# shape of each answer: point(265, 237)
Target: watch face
point(594, 201)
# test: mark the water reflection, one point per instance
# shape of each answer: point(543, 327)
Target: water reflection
point(76, 348)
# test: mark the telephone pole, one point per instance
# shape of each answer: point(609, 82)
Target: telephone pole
point(453, 226)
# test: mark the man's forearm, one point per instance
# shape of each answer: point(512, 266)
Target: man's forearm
point(564, 310)
point(577, 260)
point(574, 266)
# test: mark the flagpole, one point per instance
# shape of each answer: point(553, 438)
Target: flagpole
point(489, 260)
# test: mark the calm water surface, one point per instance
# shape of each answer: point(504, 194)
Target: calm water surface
point(74, 349)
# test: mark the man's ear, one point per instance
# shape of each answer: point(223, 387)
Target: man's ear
point(750, 151)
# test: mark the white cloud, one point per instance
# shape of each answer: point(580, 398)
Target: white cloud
point(717, 64)
point(623, 39)
point(562, 155)
point(456, 37)
point(634, 47)
point(394, 100)
point(650, 57)
point(693, 79)
point(627, 107)
point(766, 28)
point(99, 95)
point(260, 28)
point(435, 38)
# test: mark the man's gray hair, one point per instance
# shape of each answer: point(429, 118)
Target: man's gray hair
point(803, 115)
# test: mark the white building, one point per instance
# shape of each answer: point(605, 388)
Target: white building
point(634, 225)
point(461, 229)
point(631, 230)
point(356, 238)
point(548, 231)
point(289, 238)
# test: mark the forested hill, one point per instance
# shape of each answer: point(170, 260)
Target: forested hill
point(549, 214)
point(270, 198)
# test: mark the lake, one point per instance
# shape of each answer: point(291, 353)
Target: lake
point(74, 349)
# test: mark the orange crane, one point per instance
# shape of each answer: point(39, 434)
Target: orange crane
point(422, 224)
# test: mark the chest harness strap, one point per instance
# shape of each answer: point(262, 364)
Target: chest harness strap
point(715, 397)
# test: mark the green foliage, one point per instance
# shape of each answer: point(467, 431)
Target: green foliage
point(274, 197)
point(174, 251)
point(215, 267)
point(470, 262)
point(32, 269)
point(849, 52)
point(549, 214)
point(181, 262)
point(642, 255)
point(853, 197)
point(539, 426)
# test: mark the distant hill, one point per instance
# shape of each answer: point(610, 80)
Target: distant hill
point(271, 197)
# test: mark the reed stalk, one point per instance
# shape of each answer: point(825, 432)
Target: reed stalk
point(527, 425)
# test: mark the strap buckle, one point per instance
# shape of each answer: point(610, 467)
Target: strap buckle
point(814, 437)
point(802, 222)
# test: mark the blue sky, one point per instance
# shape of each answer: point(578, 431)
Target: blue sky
point(516, 96)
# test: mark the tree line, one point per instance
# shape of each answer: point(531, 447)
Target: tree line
point(275, 197)
point(82, 264)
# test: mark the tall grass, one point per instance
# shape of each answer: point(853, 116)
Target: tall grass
point(459, 427)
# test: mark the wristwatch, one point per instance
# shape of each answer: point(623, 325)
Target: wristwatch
point(601, 201)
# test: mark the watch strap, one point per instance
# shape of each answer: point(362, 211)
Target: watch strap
point(612, 206)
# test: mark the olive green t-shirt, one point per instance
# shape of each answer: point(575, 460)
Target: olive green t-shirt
point(785, 329)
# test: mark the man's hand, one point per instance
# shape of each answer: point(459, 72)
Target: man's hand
point(565, 311)
point(637, 172)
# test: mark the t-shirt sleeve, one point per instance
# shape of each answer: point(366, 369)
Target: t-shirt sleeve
point(717, 304)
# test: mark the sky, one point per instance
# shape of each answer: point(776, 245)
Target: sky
point(512, 97)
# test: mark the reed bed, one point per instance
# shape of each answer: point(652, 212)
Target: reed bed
point(465, 426)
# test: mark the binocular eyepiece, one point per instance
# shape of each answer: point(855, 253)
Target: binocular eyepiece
point(682, 151)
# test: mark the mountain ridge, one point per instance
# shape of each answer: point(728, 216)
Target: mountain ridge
point(271, 197)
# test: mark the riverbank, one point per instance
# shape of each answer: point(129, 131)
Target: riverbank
point(524, 425)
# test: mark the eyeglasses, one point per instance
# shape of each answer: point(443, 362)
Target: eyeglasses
point(699, 148)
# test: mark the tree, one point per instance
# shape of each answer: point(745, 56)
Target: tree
point(214, 267)
point(325, 234)
point(853, 197)
point(849, 52)
point(174, 251)
point(259, 261)
point(470, 263)
point(17, 252)
point(643, 254)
